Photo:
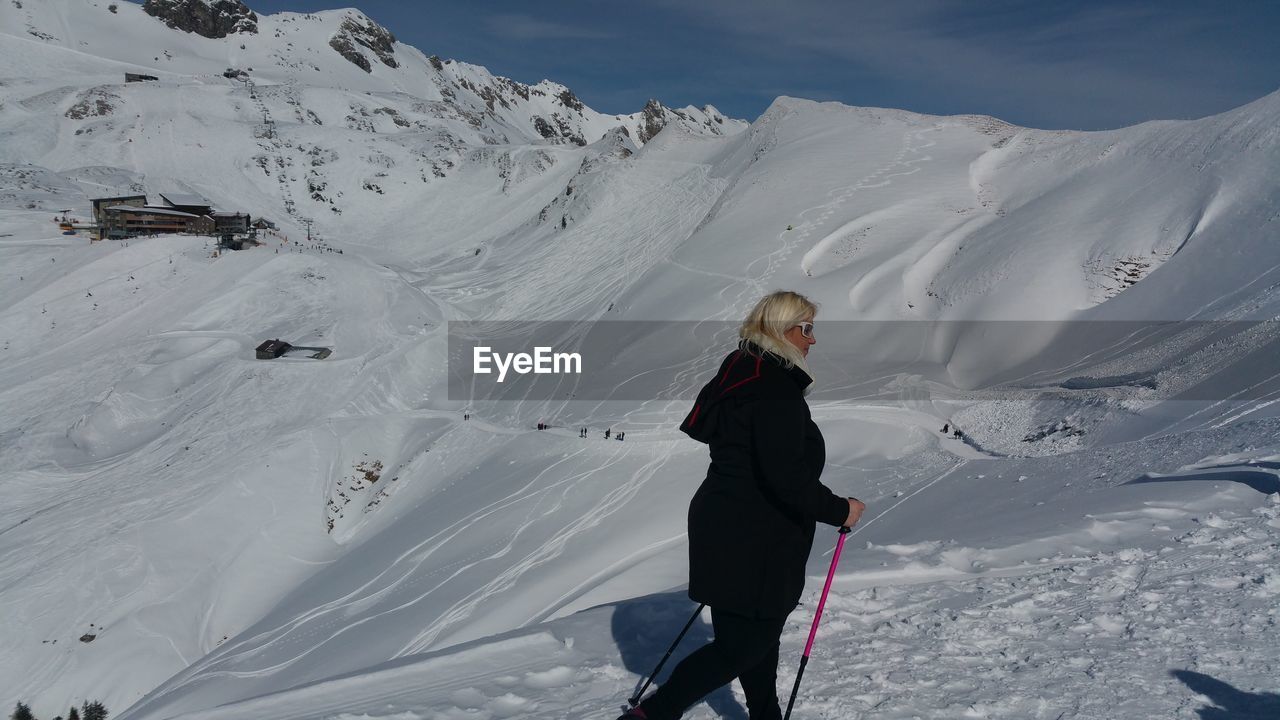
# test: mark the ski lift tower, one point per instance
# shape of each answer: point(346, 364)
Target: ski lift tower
point(307, 222)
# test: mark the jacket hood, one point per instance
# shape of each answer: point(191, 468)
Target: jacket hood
point(739, 376)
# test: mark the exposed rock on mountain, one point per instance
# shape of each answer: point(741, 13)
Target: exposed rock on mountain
point(96, 102)
point(656, 116)
point(355, 32)
point(616, 143)
point(652, 120)
point(210, 18)
point(570, 100)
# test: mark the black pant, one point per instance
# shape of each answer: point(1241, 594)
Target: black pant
point(744, 648)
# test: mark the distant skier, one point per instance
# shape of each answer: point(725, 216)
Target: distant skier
point(606, 433)
point(946, 428)
point(752, 521)
point(957, 434)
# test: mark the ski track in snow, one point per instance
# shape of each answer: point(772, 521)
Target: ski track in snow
point(548, 550)
point(756, 280)
point(407, 567)
point(1099, 636)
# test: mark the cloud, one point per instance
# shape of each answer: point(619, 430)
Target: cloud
point(523, 27)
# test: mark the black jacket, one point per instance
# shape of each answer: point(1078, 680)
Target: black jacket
point(752, 522)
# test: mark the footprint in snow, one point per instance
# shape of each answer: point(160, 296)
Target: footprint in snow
point(547, 679)
point(509, 705)
point(468, 699)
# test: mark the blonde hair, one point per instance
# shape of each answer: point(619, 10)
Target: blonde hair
point(771, 318)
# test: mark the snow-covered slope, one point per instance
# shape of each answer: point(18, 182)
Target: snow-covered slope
point(333, 538)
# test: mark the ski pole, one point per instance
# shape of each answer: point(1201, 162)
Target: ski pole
point(635, 700)
point(813, 631)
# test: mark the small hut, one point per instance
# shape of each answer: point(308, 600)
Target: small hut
point(271, 349)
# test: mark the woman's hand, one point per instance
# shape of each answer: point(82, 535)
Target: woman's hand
point(856, 508)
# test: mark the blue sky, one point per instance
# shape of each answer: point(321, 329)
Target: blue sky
point(1047, 64)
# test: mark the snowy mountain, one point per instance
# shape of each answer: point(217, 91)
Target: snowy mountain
point(303, 538)
point(393, 128)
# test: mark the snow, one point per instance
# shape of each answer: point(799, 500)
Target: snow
point(331, 538)
point(151, 210)
point(183, 199)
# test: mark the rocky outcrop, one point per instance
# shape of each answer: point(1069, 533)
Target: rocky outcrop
point(561, 131)
point(554, 114)
point(702, 121)
point(616, 143)
point(652, 119)
point(347, 49)
point(358, 32)
point(543, 127)
point(210, 18)
point(571, 101)
point(96, 102)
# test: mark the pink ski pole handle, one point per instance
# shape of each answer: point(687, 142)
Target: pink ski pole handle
point(822, 602)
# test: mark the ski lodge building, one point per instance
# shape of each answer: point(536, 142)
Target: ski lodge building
point(130, 216)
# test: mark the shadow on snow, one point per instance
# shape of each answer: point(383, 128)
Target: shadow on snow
point(1260, 480)
point(643, 630)
point(1229, 703)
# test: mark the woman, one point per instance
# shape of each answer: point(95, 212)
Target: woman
point(752, 522)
